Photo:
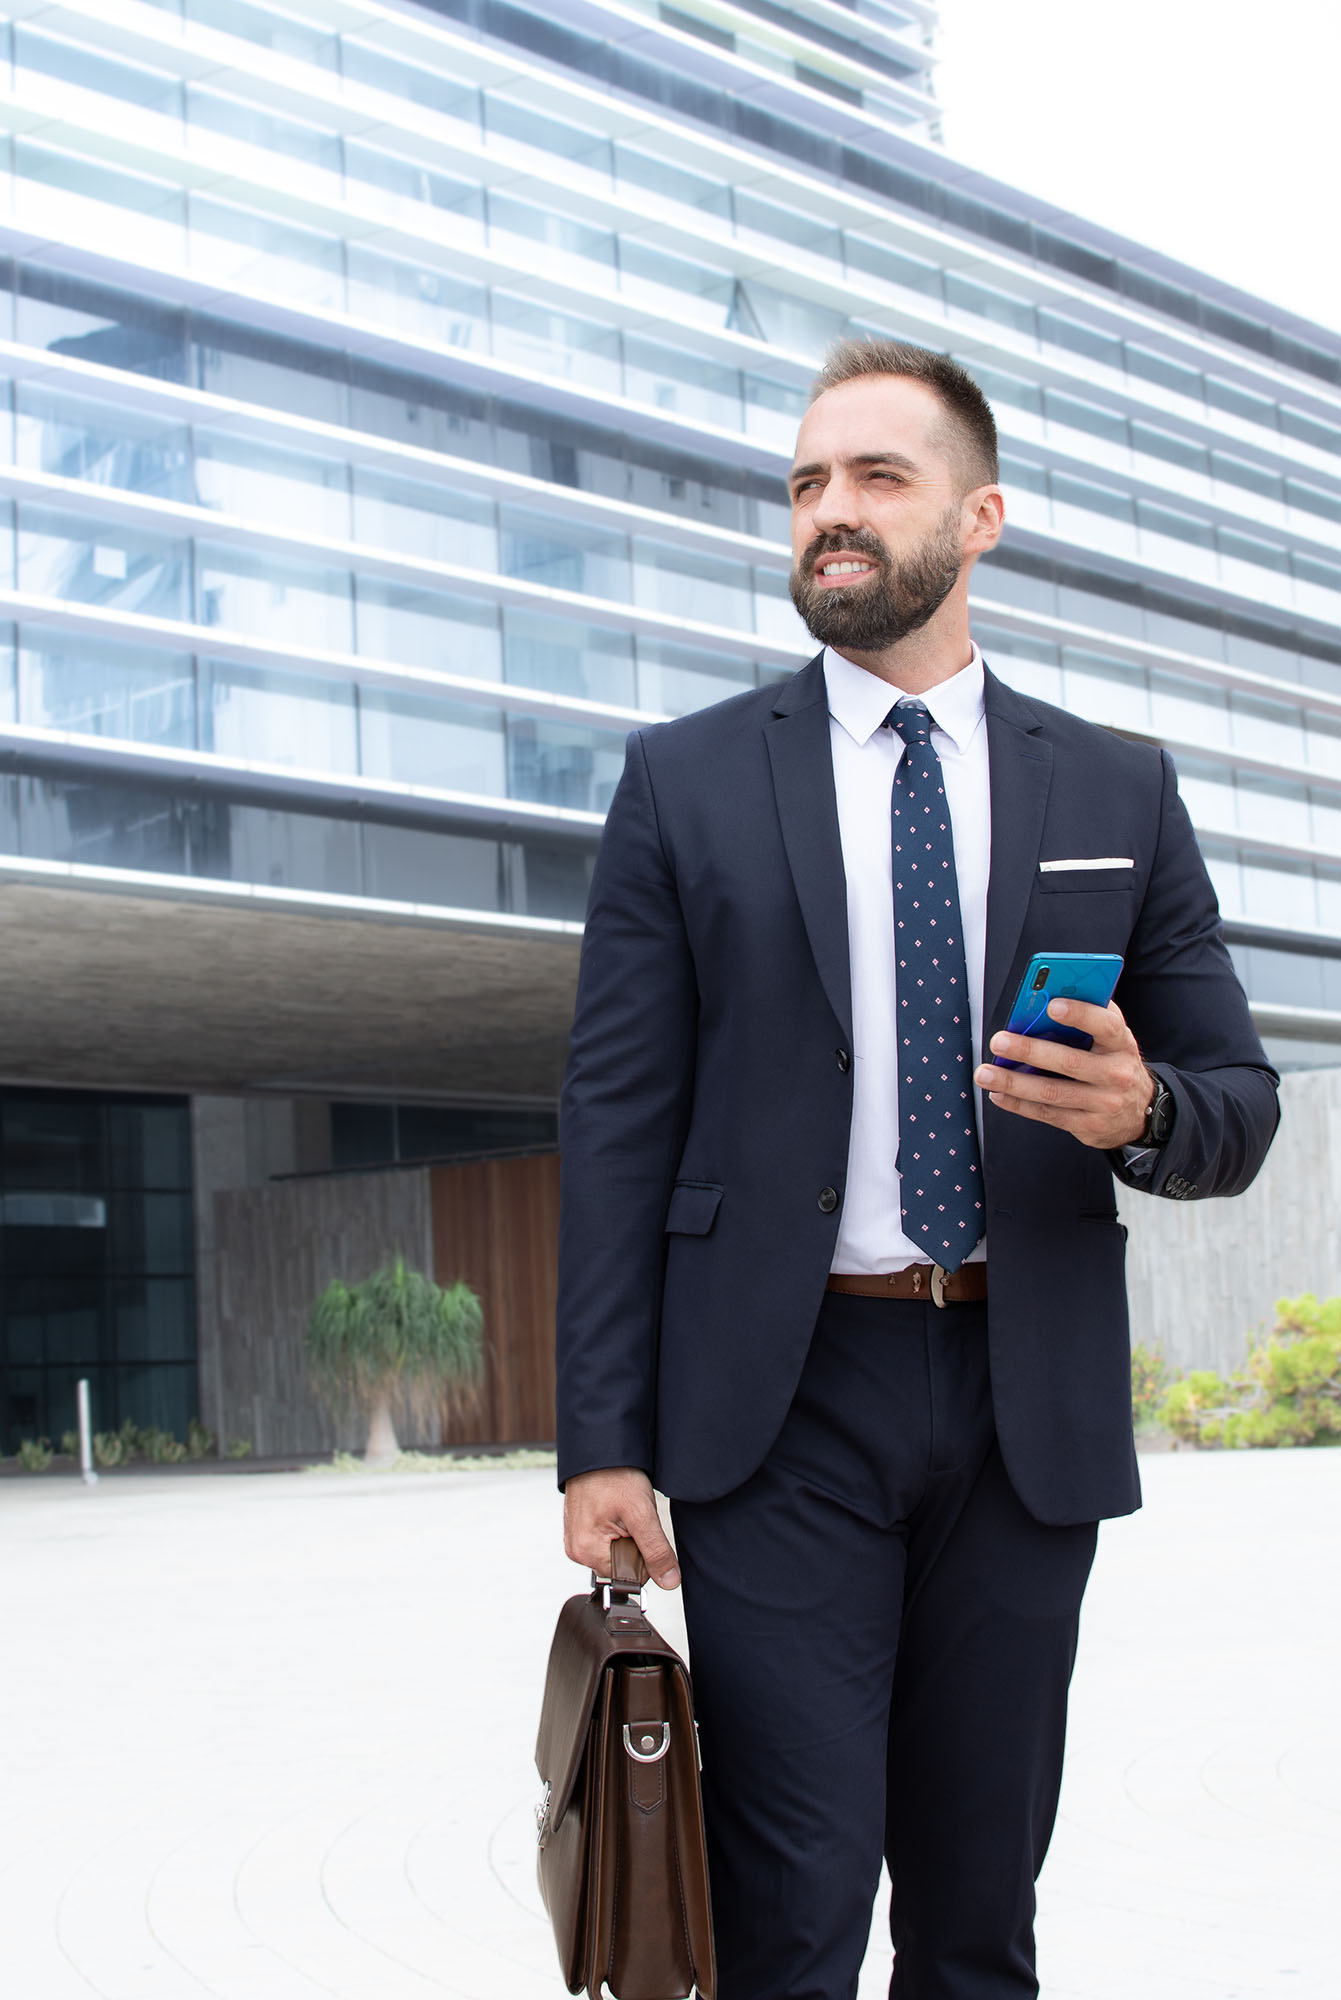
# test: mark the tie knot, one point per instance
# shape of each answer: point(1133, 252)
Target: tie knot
point(912, 721)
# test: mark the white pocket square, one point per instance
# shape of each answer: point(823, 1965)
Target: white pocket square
point(1096, 861)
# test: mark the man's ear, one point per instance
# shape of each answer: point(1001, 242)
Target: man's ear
point(986, 507)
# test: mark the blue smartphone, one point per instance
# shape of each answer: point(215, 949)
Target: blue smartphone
point(1060, 975)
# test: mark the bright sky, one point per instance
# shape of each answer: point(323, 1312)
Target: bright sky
point(1204, 128)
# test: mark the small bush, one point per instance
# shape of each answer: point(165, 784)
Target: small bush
point(200, 1443)
point(1149, 1381)
point(109, 1449)
point(159, 1447)
point(1288, 1394)
point(238, 1448)
point(69, 1444)
point(35, 1454)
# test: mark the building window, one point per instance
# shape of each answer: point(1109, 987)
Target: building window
point(97, 1262)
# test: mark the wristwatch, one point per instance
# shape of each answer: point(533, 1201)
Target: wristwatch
point(1159, 1117)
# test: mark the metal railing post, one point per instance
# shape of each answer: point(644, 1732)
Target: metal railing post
point(89, 1476)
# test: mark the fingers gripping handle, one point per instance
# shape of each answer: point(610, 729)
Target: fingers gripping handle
point(628, 1571)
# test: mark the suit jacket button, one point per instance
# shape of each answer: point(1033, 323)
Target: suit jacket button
point(843, 1059)
point(828, 1200)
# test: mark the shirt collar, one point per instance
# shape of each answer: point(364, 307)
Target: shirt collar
point(860, 701)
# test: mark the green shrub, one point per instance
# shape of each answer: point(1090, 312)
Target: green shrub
point(69, 1444)
point(1149, 1381)
point(159, 1447)
point(109, 1449)
point(35, 1454)
point(1288, 1394)
point(238, 1448)
point(200, 1443)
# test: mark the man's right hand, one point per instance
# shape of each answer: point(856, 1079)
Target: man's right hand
point(600, 1507)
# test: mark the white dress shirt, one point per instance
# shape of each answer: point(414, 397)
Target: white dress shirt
point(865, 758)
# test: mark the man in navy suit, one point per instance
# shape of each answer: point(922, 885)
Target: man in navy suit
point(850, 1296)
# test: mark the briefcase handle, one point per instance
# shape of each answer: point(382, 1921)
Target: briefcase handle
point(628, 1571)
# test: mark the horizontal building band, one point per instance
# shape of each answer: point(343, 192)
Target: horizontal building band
point(123, 827)
point(82, 681)
point(279, 898)
point(1222, 569)
point(64, 801)
point(1032, 650)
point(74, 760)
point(56, 426)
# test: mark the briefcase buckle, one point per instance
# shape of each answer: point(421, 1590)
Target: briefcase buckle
point(646, 1750)
point(542, 1826)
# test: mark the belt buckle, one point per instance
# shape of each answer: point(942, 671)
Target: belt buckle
point(939, 1279)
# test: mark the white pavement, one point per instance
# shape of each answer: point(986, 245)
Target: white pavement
point(269, 1738)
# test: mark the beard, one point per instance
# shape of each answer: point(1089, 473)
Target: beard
point(895, 599)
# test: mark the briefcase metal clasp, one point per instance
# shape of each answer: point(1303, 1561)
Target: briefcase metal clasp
point(646, 1750)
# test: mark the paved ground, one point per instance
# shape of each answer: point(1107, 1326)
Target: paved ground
point(268, 1738)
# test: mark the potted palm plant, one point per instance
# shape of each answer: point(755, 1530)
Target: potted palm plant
point(395, 1343)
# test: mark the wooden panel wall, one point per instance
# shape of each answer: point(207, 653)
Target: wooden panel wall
point(277, 1246)
point(496, 1224)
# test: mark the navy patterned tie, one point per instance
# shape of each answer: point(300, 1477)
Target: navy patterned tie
point(940, 1174)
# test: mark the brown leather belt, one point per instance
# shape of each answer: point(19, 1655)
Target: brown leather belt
point(916, 1281)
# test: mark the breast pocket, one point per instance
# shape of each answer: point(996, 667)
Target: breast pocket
point(1086, 881)
point(692, 1209)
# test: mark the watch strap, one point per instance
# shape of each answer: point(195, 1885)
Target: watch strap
point(1159, 1115)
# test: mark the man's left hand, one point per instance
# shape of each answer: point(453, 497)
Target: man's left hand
point(1099, 1095)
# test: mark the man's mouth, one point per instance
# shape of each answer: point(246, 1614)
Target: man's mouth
point(841, 570)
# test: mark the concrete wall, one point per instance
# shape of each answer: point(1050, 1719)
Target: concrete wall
point(240, 1142)
point(1205, 1275)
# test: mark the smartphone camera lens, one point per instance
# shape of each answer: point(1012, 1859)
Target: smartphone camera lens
point(1041, 978)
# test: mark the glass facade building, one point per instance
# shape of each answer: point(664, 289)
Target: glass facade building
point(395, 410)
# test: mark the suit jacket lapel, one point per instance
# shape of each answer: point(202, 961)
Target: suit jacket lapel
point(1020, 765)
point(798, 748)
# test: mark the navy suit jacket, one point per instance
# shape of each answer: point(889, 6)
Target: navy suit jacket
point(707, 1103)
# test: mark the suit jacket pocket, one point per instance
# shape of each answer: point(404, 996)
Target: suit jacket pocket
point(693, 1208)
point(1085, 881)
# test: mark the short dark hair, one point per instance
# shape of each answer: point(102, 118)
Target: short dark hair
point(965, 406)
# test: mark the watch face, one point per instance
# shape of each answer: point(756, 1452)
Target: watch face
point(1161, 1114)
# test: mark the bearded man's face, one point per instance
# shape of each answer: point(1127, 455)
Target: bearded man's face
point(880, 536)
point(884, 601)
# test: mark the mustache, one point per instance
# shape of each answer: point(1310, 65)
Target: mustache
point(861, 542)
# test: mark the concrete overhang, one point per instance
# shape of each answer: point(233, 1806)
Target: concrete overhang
point(113, 986)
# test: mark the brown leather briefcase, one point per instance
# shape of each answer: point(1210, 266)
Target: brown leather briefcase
point(623, 1869)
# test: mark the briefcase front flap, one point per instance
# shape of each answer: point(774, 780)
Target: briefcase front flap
point(587, 1640)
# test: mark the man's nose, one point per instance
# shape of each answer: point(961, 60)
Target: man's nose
point(836, 511)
